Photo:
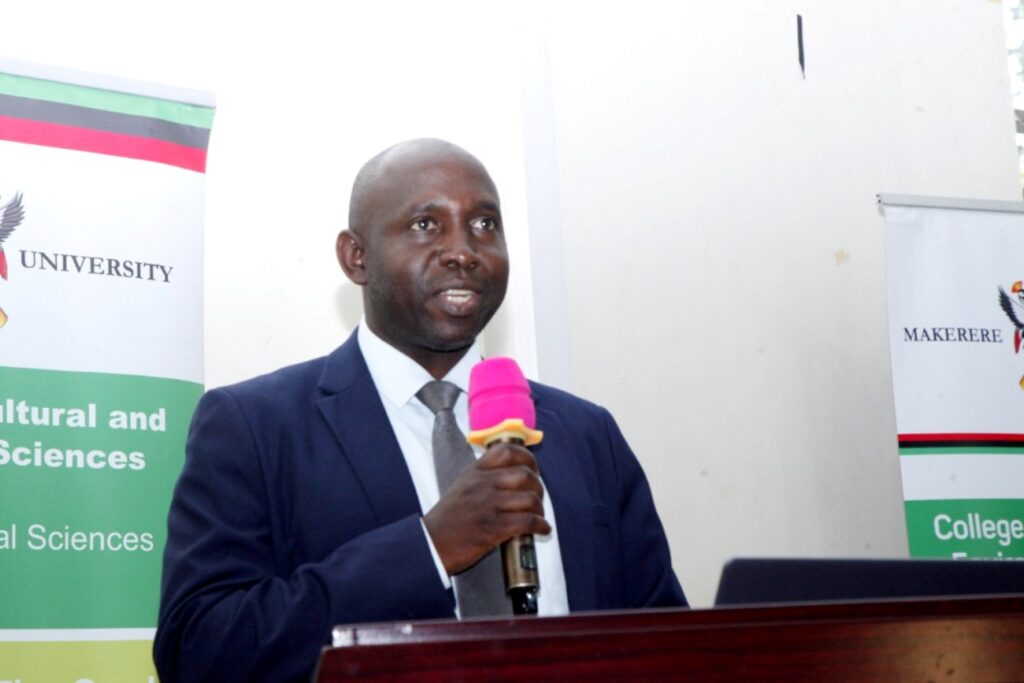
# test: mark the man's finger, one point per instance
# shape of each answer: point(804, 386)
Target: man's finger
point(520, 501)
point(523, 523)
point(507, 455)
point(518, 479)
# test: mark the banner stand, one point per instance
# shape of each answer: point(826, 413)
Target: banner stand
point(101, 360)
point(955, 290)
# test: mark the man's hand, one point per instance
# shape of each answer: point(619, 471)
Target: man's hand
point(497, 498)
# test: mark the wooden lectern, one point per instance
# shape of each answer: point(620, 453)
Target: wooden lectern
point(950, 639)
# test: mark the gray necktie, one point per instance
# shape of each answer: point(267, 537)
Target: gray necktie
point(479, 590)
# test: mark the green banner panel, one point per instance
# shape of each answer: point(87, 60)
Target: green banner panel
point(87, 465)
point(963, 529)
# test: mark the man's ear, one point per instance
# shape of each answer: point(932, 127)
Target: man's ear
point(351, 256)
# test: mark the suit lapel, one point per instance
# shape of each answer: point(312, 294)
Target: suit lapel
point(352, 408)
point(573, 516)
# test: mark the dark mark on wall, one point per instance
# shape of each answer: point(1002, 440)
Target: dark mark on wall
point(800, 43)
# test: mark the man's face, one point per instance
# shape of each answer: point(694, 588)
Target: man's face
point(436, 265)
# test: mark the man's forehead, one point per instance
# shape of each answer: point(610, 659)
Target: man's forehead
point(421, 178)
point(415, 172)
point(429, 161)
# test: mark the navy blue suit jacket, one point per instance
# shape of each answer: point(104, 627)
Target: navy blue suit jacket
point(295, 511)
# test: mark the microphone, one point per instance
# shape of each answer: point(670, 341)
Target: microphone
point(501, 411)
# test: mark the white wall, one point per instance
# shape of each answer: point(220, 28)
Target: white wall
point(708, 256)
point(724, 255)
point(306, 92)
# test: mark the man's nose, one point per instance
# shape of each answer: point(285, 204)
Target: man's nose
point(458, 251)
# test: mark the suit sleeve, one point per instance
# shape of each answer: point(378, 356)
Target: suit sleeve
point(649, 580)
point(227, 611)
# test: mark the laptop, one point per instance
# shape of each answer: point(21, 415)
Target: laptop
point(747, 581)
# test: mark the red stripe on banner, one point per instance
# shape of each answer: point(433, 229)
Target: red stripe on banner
point(102, 142)
point(961, 437)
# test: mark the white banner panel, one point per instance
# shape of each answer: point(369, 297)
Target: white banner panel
point(955, 283)
point(101, 362)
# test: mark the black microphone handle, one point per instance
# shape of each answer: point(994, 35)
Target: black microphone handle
point(519, 559)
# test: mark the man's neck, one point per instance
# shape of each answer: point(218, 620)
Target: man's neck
point(437, 363)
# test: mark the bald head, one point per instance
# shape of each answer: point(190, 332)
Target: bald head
point(427, 245)
point(393, 164)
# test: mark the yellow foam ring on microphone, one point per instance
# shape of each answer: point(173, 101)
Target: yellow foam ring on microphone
point(513, 428)
point(3, 318)
point(1021, 377)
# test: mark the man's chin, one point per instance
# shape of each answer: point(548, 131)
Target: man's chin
point(448, 345)
point(455, 333)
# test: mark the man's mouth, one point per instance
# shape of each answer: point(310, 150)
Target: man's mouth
point(459, 296)
point(458, 301)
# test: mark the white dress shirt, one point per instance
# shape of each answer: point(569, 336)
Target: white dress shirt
point(398, 378)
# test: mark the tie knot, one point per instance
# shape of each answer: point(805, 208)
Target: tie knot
point(438, 395)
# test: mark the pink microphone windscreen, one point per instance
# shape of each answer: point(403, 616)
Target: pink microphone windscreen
point(497, 392)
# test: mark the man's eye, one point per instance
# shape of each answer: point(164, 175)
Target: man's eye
point(422, 224)
point(485, 223)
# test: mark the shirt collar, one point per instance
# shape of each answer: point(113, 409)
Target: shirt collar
point(399, 377)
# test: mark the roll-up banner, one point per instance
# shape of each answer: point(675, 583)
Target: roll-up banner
point(101, 360)
point(955, 283)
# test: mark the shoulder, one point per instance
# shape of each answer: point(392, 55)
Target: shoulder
point(551, 397)
point(285, 386)
point(283, 408)
point(568, 406)
point(295, 386)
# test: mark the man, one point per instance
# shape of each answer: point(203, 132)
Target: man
point(308, 496)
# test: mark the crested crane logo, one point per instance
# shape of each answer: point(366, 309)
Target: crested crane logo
point(1013, 305)
point(11, 215)
point(1014, 309)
